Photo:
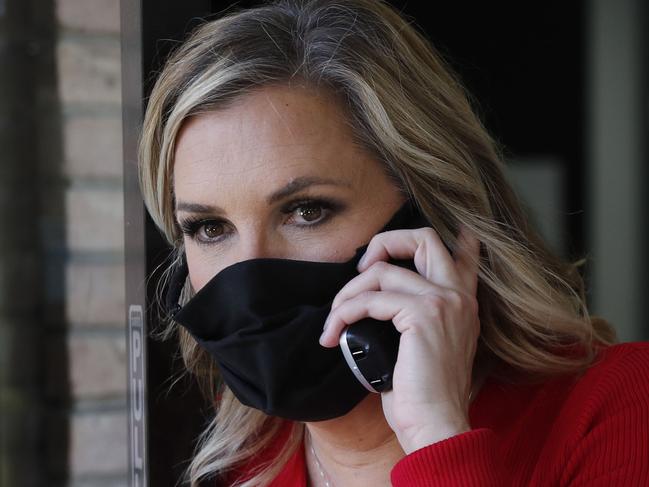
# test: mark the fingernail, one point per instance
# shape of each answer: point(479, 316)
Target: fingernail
point(324, 332)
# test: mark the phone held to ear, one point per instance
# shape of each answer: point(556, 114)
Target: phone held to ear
point(370, 348)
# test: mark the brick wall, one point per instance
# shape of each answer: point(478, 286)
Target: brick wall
point(88, 66)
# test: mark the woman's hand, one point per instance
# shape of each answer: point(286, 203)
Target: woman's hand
point(436, 311)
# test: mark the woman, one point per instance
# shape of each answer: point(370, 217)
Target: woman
point(283, 143)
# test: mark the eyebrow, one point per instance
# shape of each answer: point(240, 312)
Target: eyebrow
point(298, 184)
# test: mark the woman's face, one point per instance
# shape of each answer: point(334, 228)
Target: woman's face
point(276, 175)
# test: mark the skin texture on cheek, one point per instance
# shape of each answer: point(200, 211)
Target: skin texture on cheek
point(235, 158)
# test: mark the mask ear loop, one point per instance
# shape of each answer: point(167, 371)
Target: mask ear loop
point(176, 285)
point(186, 292)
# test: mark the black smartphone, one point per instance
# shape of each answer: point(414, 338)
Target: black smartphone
point(370, 347)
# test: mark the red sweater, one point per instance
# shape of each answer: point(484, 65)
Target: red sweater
point(592, 431)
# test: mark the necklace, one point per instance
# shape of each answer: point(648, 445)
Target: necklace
point(323, 475)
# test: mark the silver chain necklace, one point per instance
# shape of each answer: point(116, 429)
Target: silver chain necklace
point(323, 475)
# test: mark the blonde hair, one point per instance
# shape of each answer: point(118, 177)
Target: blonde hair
point(408, 108)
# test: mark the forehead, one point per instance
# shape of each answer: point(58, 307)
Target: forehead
point(266, 138)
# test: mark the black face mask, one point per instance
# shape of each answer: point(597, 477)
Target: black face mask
point(261, 320)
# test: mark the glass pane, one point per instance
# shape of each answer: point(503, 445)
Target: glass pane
point(62, 342)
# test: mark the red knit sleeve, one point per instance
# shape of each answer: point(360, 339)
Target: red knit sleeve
point(600, 439)
point(613, 427)
point(468, 459)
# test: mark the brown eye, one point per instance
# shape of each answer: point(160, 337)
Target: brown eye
point(310, 212)
point(212, 230)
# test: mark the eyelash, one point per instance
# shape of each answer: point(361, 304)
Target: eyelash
point(191, 226)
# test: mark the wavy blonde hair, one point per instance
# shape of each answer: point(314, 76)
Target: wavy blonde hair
point(407, 108)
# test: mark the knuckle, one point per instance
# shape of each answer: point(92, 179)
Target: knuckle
point(365, 296)
point(375, 240)
point(365, 301)
point(427, 232)
point(464, 301)
point(451, 299)
point(434, 302)
point(455, 298)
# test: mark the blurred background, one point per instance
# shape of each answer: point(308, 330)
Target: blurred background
point(561, 85)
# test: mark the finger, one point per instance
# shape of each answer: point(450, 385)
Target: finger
point(382, 306)
point(383, 276)
point(431, 258)
point(467, 258)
